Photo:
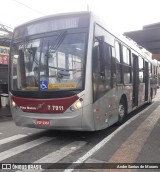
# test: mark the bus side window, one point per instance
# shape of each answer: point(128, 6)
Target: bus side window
point(113, 68)
point(107, 64)
point(141, 70)
point(127, 69)
point(95, 61)
point(118, 51)
point(107, 55)
point(119, 74)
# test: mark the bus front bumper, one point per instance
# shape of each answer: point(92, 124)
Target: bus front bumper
point(65, 121)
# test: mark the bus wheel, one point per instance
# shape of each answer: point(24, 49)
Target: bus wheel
point(121, 112)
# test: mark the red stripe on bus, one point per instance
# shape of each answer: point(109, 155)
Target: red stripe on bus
point(58, 105)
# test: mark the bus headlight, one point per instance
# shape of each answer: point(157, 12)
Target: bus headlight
point(13, 104)
point(77, 105)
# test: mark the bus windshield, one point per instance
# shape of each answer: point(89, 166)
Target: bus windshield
point(49, 63)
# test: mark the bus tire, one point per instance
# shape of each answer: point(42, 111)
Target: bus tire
point(121, 112)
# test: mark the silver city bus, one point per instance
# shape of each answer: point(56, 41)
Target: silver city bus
point(68, 72)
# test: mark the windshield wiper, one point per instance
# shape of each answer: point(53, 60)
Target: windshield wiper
point(53, 48)
point(58, 42)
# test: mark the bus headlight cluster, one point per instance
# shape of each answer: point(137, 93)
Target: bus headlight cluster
point(77, 105)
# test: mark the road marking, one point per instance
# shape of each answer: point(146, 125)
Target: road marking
point(12, 138)
point(16, 150)
point(59, 154)
point(105, 140)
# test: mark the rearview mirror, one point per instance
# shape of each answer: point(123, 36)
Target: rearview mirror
point(101, 54)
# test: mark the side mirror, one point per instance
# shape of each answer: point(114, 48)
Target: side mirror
point(97, 57)
point(102, 62)
point(99, 54)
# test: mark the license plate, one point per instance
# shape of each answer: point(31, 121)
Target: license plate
point(45, 122)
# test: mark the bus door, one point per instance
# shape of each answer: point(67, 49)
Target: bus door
point(135, 80)
point(146, 72)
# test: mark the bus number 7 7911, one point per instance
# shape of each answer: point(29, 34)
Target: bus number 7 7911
point(69, 72)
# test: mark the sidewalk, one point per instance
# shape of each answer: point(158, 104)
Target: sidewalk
point(137, 142)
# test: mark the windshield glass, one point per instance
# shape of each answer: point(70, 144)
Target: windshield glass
point(50, 63)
